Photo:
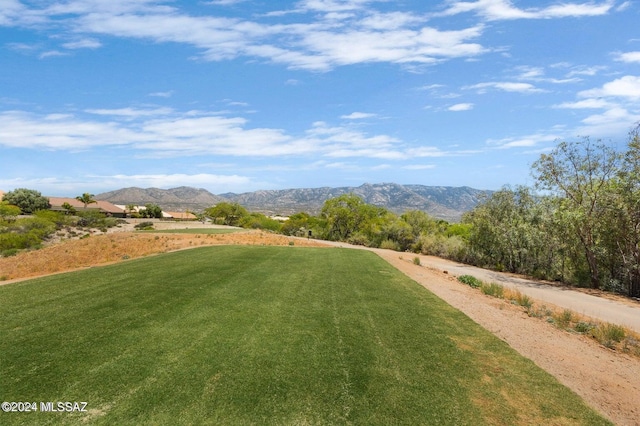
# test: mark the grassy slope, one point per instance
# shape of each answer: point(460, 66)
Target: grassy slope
point(262, 335)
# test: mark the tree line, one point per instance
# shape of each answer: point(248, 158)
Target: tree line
point(578, 224)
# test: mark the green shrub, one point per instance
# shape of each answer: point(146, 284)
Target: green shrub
point(470, 281)
point(564, 319)
point(524, 301)
point(583, 327)
point(416, 261)
point(144, 226)
point(389, 245)
point(493, 289)
point(9, 252)
point(359, 239)
point(608, 334)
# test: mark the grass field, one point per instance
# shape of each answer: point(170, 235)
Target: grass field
point(262, 335)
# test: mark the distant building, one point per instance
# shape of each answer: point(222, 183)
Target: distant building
point(100, 206)
point(1, 195)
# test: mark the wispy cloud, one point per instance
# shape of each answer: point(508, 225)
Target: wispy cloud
point(166, 94)
point(461, 107)
point(630, 57)
point(357, 116)
point(360, 36)
point(87, 43)
point(625, 87)
point(504, 86)
point(164, 133)
point(496, 10)
point(526, 141)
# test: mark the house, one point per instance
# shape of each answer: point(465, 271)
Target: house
point(100, 206)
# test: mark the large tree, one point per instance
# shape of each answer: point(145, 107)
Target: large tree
point(348, 214)
point(227, 213)
point(580, 175)
point(28, 200)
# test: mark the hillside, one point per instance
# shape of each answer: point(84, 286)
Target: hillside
point(443, 202)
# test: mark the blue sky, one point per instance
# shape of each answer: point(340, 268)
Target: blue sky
point(241, 95)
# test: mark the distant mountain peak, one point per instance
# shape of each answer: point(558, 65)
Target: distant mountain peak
point(443, 202)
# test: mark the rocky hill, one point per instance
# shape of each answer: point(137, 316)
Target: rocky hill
point(176, 199)
point(439, 201)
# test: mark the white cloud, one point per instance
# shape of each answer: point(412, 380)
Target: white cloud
point(60, 185)
point(585, 104)
point(461, 107)
point(613, 121)
point(523, 141)
point(357, 116)
point(59, 132)
point(494, 10)
point(87, 43)
point(630, 57)
point(505, 86)
point(171, 180)
point(624, 87)
point(166, 94)
point(163, 133)
point(419, 167)
point(363, 35)
point(131, 112)
point(51, 54)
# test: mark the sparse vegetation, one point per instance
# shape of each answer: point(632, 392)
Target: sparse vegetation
point(492, 289)
point(609, 335)
point(470, 280)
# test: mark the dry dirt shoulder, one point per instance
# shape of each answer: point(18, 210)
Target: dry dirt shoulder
point(608, 381)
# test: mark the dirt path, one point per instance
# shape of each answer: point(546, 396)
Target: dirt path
point(616, 310)
point(606, 380)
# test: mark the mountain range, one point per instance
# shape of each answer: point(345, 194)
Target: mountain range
point(442, 202)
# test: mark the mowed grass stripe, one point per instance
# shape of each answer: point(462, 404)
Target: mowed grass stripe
point(262, 335)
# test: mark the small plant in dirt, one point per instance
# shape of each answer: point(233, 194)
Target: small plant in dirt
point(608, 334)
point(470, 280)
point(563, 319)
point(10, 252)
point(493, 289)
point(144, 226)
point(416, 261)
point(583, 327)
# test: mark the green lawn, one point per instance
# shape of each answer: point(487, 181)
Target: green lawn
point(262, 335)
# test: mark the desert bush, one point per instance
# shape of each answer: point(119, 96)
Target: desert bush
point(608, 334)
point(144, 226)
point(563, 319)
point(470, 281)
point(15, 240)
point(416, 261)
point(359, 239)
point(9, 252)
point(492, 289)
point(583, 327)
point(389, 245)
